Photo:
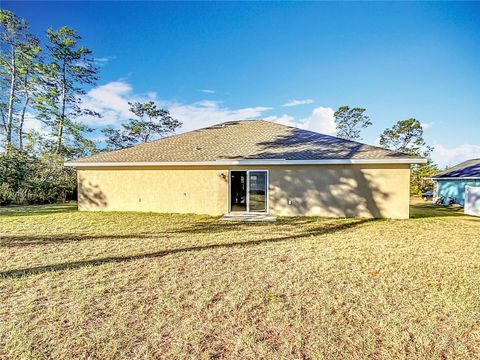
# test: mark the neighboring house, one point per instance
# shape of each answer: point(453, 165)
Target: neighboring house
point(451, 183)
point(250, 166)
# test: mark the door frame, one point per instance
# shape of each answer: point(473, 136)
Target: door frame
point(247, 189)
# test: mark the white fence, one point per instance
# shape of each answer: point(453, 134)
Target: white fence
point(472, 200)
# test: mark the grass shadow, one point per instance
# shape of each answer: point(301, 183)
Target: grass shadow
point(427, 210)
point(118, 259)
point(30, 210)
point(31, 240)
point(210, 226)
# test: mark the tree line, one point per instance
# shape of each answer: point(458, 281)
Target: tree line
point(44, 80)
point(405, 136)
point(47, 81)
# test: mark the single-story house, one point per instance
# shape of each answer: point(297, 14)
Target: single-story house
point(452, 182)
point(251, 166)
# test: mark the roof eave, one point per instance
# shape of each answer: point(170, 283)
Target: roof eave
point(251, 162)
point(454, 178)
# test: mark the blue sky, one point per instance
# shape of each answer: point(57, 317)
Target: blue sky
point(213, 62)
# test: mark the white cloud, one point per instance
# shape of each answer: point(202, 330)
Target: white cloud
point(295, 102)
point(111, 101)
point(451, 156)
point(98, 139)
point(103, 60)
point(283, 119)
point(205, 113)
point(426, 125)
point(32, 124)
point(207, 91)
point(322, 120)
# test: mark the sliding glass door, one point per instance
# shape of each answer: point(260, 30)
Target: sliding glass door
point(257, 191)
point(248, 191)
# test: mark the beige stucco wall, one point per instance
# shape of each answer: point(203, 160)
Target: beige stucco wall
point(176, 190)
point(314, 190)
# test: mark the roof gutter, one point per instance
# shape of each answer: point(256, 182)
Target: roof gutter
point(250, 162)
point(454, 178)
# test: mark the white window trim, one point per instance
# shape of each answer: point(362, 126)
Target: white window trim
point(267, 195)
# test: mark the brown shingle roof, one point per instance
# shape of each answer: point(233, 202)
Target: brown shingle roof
point(243, 140)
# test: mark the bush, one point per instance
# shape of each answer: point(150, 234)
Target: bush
point(419, 173)
point(26, 179)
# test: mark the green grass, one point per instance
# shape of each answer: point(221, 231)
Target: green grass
point(132, 285)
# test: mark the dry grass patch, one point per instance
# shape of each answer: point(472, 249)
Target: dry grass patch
point(116, 285)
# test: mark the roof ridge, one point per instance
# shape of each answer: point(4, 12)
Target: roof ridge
point(161, 139)
point(253, 138)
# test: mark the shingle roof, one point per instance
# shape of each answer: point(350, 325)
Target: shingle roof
point(243, 140)
point(469, 168)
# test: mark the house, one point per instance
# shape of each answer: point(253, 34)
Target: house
point(452, 182)
point(251, 166)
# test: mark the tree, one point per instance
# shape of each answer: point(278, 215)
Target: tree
point(51, 90)
point(418, 182)
point(17, 45)
point(70, 68)
point(407, 136)
point(116, 138)
point(151, 123)
point(28, 83)
point(350, 122)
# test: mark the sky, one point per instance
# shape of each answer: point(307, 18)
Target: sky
point(293, 63)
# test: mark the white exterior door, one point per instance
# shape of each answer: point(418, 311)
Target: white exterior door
point(472, 200)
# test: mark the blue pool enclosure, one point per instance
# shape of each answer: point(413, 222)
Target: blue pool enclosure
point(451, 183)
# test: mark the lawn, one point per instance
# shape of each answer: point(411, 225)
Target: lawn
point(132, 285)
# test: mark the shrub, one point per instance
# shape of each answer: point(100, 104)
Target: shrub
point(27, 179)
point(419, 173)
